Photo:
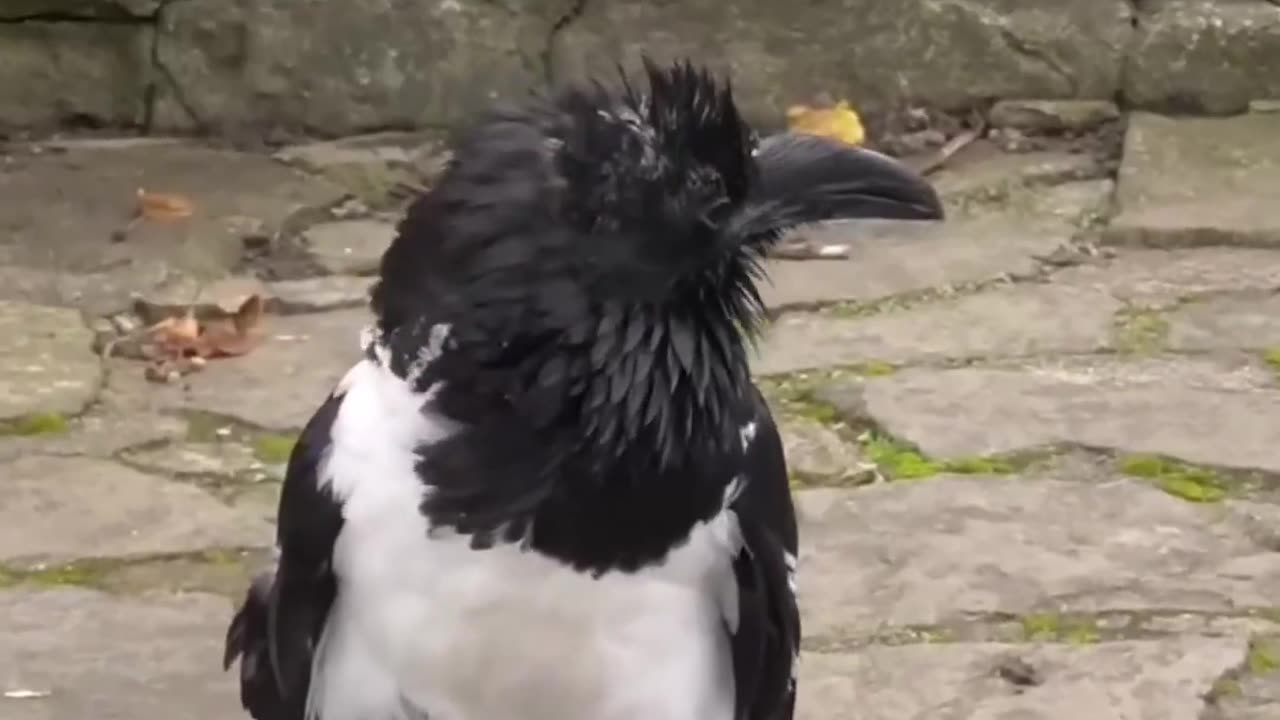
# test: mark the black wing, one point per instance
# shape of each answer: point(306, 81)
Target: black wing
point(767, 639)
point(276, 629)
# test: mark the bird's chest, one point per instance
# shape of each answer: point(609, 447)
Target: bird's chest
point(509, 634)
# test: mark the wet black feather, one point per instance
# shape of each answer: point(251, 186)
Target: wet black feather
point(570, 248)
point(276, 628)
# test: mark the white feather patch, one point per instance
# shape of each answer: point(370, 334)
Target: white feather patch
point(424, 623)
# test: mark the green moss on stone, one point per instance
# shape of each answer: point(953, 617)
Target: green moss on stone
point(224, 571)
point(1270, 614)
point(898, 460)
point(901, 461)
point(1263, 657)
point(274, 448)
point(852, 309)
point(1055, 627)
point(978, 466)
point(1225, 687)
point(73, 575)
point(86, 573)
point(1271, 356)
point(937, 635)
point(796, 395)
point(1191, 489)
point(812, 408)
point(1140, 331)
point(209, 428)
point(37, 423)
point(1191, 483)
point(874, 368)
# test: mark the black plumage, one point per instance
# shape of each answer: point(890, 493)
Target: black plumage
point(575, 301)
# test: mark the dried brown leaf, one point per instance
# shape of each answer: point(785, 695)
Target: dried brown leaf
point(164, 206)
point(173, 336)
point(236, 335)
point(248, 317)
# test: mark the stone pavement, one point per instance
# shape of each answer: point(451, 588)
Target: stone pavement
point(1036, 448)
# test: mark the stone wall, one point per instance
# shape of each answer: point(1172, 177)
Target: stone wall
point(333, 67)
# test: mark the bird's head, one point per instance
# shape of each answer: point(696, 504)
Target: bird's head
point(594, 257)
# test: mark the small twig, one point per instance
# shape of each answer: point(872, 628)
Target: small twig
point(953, 146)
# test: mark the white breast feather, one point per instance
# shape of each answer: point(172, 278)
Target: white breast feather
point(501, 634)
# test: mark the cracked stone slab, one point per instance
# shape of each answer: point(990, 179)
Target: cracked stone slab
point(1012, 320)
point(106, 656)
point(346, 66)
point(47, 363)
point(1208, 42)
point(936, 551)
point(1229, 322)
point(63, 204)
point(222, 459)
point(814, 450)
point(974, 244)
point(317, 294)
point(1199, 181)
point(1253, 694)
point(102, 432)
point(954, 54)
point(1160, 278)
point(52, 73)
point(1113, 681)
point(63, 508)
point(1219, 412)
point(276, 386)
point(1019, 180)
point(349, 247)
point(373, 167)
point(98, 293)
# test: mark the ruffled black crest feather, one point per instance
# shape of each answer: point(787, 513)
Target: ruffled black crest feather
point(593, 256)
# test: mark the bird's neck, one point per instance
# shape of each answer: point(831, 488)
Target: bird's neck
point(645, 445)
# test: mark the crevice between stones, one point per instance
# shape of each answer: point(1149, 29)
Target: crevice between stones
point(119, 17)
point(1039, 627)
point(163, 74)
point(90, 572)
point(1046, 60)
point(575, 11)
point(848, 405)
point(992, 19)
point(1226, 685)
point(116, 17)
point(1136, 16)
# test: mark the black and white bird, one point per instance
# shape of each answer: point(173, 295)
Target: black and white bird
point(550, 490)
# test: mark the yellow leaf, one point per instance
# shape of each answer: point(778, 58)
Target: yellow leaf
point(838, 123)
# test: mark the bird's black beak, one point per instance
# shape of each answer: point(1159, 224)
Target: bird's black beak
point(881, 187)
point(817, 179)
